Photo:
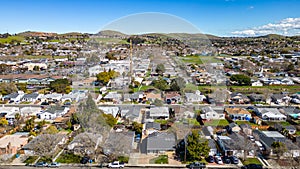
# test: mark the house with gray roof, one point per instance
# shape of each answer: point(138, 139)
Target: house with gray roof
point(158, 113)
point(194, 97)
point(32, 97)
point(267, 138)
point(159, 142)
point(213, 147)
point(152, 127)
point(208, 113)
point(119, 143)
point(271, 114)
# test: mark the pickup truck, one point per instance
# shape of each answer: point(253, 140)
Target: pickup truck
point(116, 164)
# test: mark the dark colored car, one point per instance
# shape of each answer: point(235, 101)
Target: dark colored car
point(234, 160)
point(210, 159)
point(253, 166)
point(226, 160)
point(84, 160)
point(196, 165)
point(41, 164)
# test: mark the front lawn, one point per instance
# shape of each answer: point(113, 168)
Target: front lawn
point(162, 159)
point(221, 122)
point(68, 158)
point(251, 161)
point(239, 122)
point(31, 159)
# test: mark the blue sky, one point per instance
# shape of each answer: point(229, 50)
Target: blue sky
point(218, 17)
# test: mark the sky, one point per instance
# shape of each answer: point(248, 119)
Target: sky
point(217, 17)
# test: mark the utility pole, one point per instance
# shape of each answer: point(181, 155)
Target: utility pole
point(131, 71)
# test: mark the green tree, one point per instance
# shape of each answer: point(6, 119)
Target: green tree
point(279, 148)
point(110, 120)
point(160, 84)
point(160, 69)
point(69, 124)
point(177, 84)
point(51, 130)
point(241, 79)
point(105, 77)
point(41, 124)
point(29, 125)
point(290, 67)
point(22, 86)
point(7, 88)
point(3, 122)
point(137, 127)
point(60, 85)
point(196, 147)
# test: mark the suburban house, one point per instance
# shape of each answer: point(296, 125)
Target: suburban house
point(159, 142)
point(10, 144)
point(257, 83)
point(112, 97)
point(233, 128)
point(52, 141)
point(47, 115)
point(32, 97)
point(134, 97)
point(194, 97)
point(257, 98)
point(14, 97)
point(238, 98)
point(290, 129)
point(290, 112)
point(172, 97)
point(114, 111)
point(235, 144)
point(158, 113)
point(151, 127)
point(271, 114)
point(9, 113)
point(208, 113)
point(51, 98)
point(268, 137)
point(238, 114)
point(113, 145)
point(246, 128)
point(213, 147)
point(150, 96)
point(279, 98)
point(30, 111)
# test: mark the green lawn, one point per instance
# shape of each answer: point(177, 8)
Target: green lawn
point(222, 122)
point(192, 59)
point(11, 38)
point(143, 88)
point(31, 159)
point(111, 40)
point(251, 161)
point(264, 89)
point(162, 159)
point(239, 122)
point(68, 158)
point(298, 133)
point(190, 121)
point(161, 121)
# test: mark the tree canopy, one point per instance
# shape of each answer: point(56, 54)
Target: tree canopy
point(196, 147)
point(177, 84)
point(60, 86)
point(105, 77)
point(241, 79)
point(160, 69)
point(160, 84)
point(7, 88)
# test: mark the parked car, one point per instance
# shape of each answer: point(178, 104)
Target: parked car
point(54, 165)
point(84, 160)
point(218, 160)
point(41, 164)
point(234, 160)
point(226, 160)
point(252, 166)
point(116, 164)
point(196, 165)
point(210, 159)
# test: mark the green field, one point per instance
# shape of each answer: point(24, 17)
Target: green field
point(11, 38)
point(222, 122)
point(191, 59)
point(162, 159)
point(110, 40)
point(251, 161)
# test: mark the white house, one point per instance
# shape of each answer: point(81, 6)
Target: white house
point(207, 113)
point(194, 97)
point(257, 83)
point(158, 113)
point(30, 111)
point(110, 110)
point(46, 115)
point(271, 114)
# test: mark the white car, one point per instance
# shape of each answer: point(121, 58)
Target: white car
point(116, 164)
point(218, 160)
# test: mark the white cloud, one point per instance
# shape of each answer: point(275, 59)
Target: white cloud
point(251, 7)
point(288, 26)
